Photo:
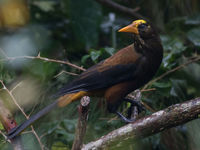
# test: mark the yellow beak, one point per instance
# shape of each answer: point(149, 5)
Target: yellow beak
point(132, 28)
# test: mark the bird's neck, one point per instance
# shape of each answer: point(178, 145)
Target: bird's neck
point(148, 47)
point(152, 51)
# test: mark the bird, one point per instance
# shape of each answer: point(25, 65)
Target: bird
point(113, 78)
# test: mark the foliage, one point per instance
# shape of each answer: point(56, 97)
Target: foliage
point(85, 32)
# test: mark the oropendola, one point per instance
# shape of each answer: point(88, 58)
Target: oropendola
point(115, 77)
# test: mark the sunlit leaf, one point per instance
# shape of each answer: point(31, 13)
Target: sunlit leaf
point(1, 127)
point(45, 5)
point(110, 50)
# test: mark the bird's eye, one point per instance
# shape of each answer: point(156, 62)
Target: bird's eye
point(142, 26)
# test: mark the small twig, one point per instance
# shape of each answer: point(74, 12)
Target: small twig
point(26, 132)
point(15, 87)
point(66, 72)
point(3, 53)
point(82, 122)
point(44, 59)
point(123, 9)
point(172, 116)
point(33, 108)
point(197, 58)
point(8, 122)
point(43, 135)
point(148, 90)
point(14, 100)
point(22, 111)
point(5, 137)
point(38, 138)
point(109, 120)
point(148, 107)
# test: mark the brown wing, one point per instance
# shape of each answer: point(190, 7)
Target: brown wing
point(115, 69)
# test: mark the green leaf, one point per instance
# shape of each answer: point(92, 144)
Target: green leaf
point(178, 88)
point(68, 125)
point(167, 60)
point(193, 20)
point(110, 50)
point(85, 58)
point(45, 5)
point(42, 70)
point(95, 55)
point(173, 44)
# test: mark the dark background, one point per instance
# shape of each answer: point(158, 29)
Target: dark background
point(85, 32)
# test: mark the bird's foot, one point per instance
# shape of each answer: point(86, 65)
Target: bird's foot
point(133, 111)
point(126, 120)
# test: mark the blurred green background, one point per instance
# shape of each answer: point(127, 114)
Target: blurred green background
point(84, 32)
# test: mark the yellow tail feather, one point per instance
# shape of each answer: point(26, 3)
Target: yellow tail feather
point(68, 98)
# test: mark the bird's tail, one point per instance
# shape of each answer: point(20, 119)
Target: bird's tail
point(61, 102)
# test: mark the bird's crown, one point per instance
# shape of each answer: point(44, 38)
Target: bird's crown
point(138, 22)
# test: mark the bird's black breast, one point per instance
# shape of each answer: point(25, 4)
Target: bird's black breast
point(152, 54)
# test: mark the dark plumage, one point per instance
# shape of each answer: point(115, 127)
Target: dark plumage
point(114, 78)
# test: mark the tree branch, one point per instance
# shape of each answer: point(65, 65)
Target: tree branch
point(44, 59)
point(170, 117)
point(82, 122)
point(123, 9)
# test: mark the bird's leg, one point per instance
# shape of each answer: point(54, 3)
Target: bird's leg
point(132, 112)
point(136, 103)
point(135, 108)
point(113, 109)
point(135, 99)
